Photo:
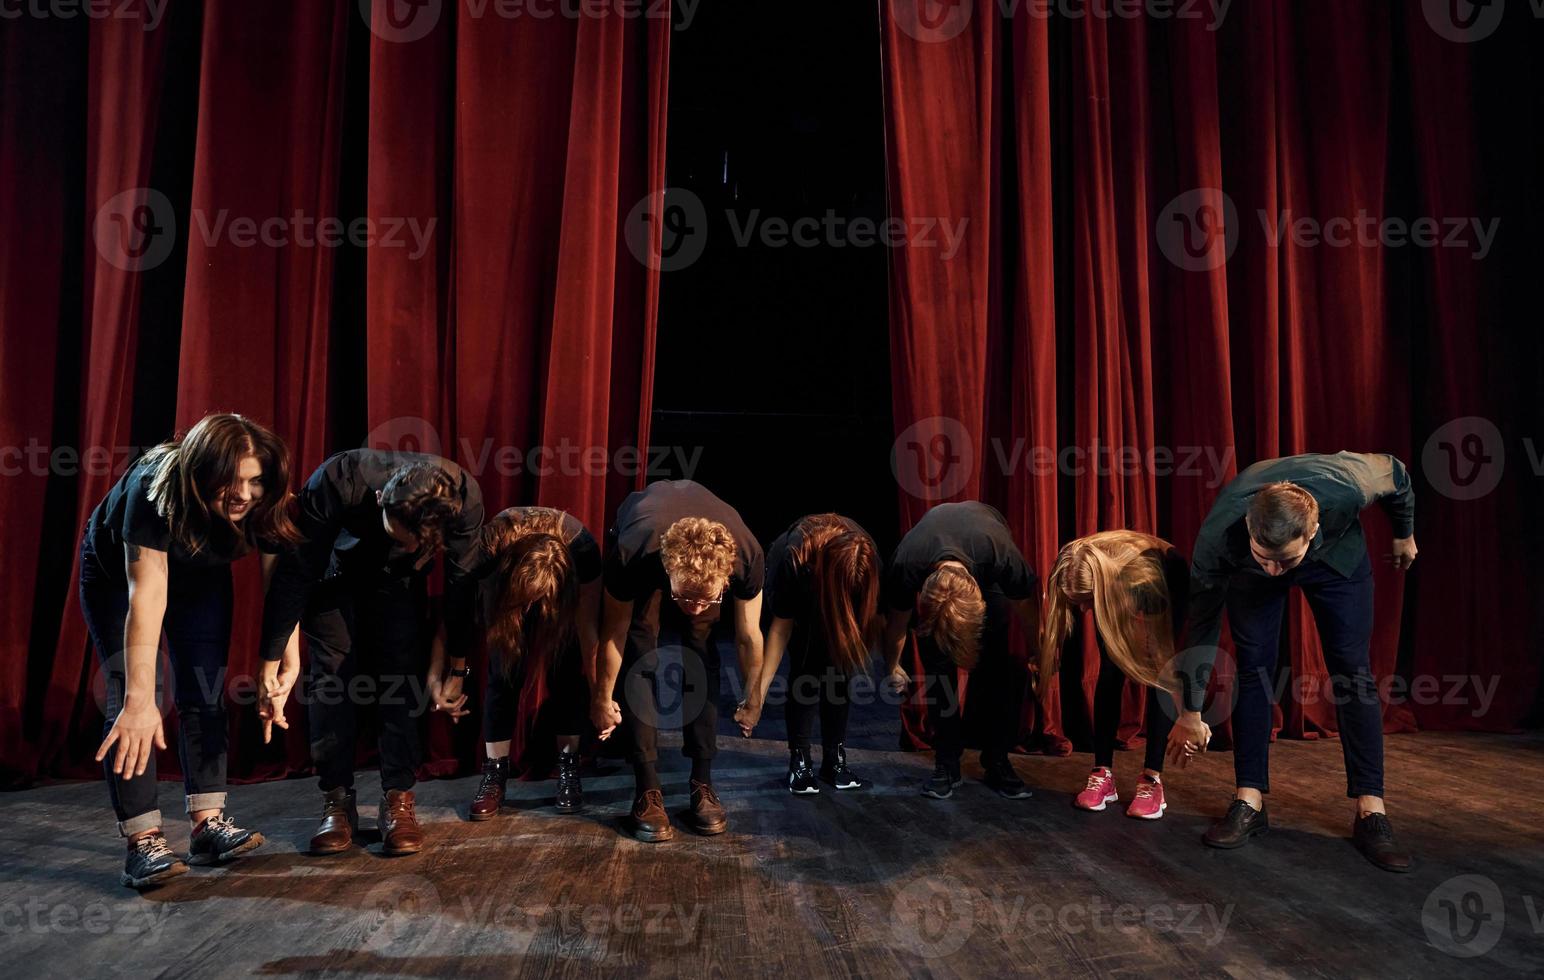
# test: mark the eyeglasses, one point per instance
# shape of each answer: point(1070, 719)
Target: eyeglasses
point(696, 600)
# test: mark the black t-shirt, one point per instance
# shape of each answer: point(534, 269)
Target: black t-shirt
point(971, 533)
point(582, 548)
point(345, 538)
point(633, 568)
point(128, 515)
point(790, 585)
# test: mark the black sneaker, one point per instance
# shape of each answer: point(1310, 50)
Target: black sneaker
point(570, 793)
point(1374, 837)
point(945, 779)
point(217, 840)
point(801, 777)
point(150, 861)
point(1241, 822)
point(1001, 777)
point(833, 769)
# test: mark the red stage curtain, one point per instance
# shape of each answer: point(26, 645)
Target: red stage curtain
point(506, 310)
point(1067, 145)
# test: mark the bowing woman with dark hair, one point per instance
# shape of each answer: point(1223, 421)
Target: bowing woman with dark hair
point(373, 523)
point(155, 557)
point(960, 573)
point(1135, 585)
point(820, 604)
point(539, 573)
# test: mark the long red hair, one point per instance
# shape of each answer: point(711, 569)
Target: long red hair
point(536, 597)
point(844, 568)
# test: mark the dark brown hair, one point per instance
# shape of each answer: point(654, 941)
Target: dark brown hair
point(844, 569)
point(1280, 514)
point(189, 472)
point(422, 498)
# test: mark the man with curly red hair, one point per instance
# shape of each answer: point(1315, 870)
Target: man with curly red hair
point(675, 557)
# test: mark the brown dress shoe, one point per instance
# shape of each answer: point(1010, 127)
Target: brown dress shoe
point(490, 792)
point(1240, 823)
point(340, 821)
point(400, 833)
point(707, 813)
point(650, 822)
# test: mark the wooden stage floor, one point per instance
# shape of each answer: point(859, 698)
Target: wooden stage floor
point(879, 883)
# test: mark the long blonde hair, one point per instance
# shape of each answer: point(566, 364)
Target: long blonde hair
point(1123, 573)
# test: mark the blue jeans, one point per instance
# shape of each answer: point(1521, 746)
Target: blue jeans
point(1342, 610)
point(197, 625)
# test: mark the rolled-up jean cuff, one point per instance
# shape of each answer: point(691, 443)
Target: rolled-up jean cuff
point(206, 801)
point(1355, 792)
point(140, 824)
point(1246, 784)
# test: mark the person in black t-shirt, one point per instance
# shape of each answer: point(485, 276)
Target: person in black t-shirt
point(960, 573)
point(539, 602)
point(156, 556)
point(373, 522)
point(674, 554)
point(1136, 586)
point(821, 605)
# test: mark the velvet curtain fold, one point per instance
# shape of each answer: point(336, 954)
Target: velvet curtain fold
point(476, 295)
point(1107, 351)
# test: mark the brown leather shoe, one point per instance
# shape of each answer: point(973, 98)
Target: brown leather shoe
point(340, 822)
point(490, 792)
point(707, 813)
point(400, 833)
point(650, 821)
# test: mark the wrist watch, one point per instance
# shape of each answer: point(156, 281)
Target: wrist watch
point(464, 671)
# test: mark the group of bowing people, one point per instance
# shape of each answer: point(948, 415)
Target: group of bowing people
point(346, 560)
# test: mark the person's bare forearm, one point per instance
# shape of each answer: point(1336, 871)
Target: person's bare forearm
point(772, 654)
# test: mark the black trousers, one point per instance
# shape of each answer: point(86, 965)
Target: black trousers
point(1161, 714)
point(197, 624)
point(564, 711)
point(1342, 610)
point(670, 678)
point(997, 687)
point(369, 649)
point(816, 689)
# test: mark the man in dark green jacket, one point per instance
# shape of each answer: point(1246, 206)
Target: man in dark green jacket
point(1284, 523)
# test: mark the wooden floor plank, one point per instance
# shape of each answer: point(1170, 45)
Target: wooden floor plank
point(877, 883)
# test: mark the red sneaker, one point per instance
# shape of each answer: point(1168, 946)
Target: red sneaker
point(1099, 791)
point(1148, 804)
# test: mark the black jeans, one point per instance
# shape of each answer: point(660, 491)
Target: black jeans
point(1161, 713)
point(670, 678)
point(1342, 610)
point(996, 691)
point(558, 693)
point(369, 647)
point(816, 688)
point(197, 625)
